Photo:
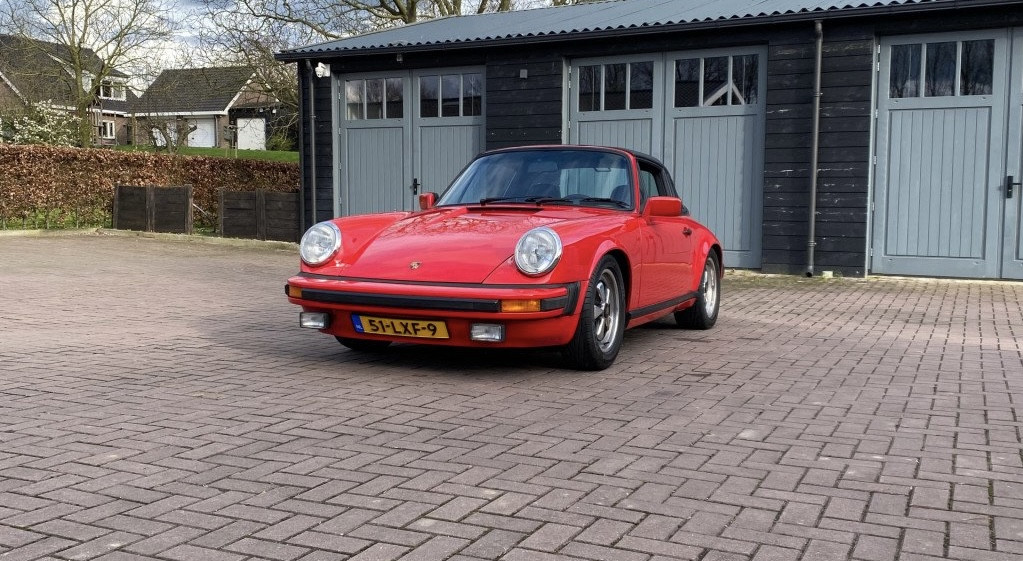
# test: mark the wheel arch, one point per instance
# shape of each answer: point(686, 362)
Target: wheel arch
point(625, 268)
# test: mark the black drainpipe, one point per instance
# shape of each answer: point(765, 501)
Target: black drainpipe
point(811, 242)
point(312, 135)
point(301, 136)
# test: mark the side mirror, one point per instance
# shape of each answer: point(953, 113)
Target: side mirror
point(427, 200)
point(663, 206)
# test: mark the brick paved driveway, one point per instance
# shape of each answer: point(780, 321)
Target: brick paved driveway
point(157, 401)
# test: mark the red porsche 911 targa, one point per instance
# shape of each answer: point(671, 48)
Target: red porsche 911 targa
point(553, 246)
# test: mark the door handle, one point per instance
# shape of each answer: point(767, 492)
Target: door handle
point(687, 231)
point(1009, 184)
point(415, 186)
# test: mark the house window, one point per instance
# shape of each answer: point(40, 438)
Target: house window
point(107, 130)
point(378, 98)
point(617, 86)
point(942, 69)
point(111, 90)
point(717, 80)
point(451, 95)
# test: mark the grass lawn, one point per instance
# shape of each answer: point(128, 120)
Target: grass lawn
point(270, 155)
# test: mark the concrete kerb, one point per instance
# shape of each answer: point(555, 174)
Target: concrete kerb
point(186, 238)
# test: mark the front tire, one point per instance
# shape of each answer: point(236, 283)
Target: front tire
point(598, 337)
point(363, 345)
point(703, 314)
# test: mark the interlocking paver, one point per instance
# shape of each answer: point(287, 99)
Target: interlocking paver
point(158, 402)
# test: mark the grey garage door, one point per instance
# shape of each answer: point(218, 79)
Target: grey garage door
point(702, 113)
point(406, 133)
point(941, 198)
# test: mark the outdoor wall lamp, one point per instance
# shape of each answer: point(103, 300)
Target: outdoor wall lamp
point(322, 70)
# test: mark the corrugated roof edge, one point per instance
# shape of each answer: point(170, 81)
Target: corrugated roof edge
point(848, 10)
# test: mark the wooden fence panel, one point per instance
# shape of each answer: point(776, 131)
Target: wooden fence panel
point(280, 217)
point(259, 215)
point(153, 209)
point(131, 208)
point(172, 209)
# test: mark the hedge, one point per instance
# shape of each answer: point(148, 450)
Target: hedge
point(50, 183)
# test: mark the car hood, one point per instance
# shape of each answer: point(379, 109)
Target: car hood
point(449, 244)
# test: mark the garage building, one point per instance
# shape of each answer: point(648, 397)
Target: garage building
point(914, 130)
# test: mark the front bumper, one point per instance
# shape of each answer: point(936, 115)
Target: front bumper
point(458, 305)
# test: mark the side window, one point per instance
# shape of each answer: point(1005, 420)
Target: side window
point(654, 182)
point(647, 185)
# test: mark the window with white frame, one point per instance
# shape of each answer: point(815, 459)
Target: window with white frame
point(375, 98)
point(943, 69)
point(108, 130)
point(616, 86)
point(109, 89)
point(717, 80)
point(451, 95)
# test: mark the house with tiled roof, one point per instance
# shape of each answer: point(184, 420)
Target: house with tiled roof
point(34, 72)
point(209, 107)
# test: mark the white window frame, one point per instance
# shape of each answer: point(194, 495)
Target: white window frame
point(108, 130)
point(118, 91)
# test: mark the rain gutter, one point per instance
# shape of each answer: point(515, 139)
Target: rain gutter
point(811, 242)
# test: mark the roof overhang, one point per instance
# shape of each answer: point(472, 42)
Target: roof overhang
point(871, 10)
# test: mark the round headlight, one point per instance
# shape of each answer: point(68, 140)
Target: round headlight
point(319, 243)
point(538, 251)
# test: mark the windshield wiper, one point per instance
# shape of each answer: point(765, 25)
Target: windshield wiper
point(621, 204)
point(524, 199)
point(488, 200)
point(543, 200)
point(557, 200)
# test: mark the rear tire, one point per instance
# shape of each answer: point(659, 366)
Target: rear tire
point(363, 345)
point(598, 337)
point(703, 314)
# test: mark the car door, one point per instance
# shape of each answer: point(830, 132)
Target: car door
point(667, 242)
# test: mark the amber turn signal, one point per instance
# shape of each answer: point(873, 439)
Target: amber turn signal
point(520, 305)
point(294, 291)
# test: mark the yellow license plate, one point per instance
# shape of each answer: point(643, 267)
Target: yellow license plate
point(400, 327)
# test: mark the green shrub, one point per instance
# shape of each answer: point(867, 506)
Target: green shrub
point(280, 143)
point(41, 186)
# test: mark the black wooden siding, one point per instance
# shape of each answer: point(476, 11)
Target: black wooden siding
point(524, 111)
point(843, 181)
point(324, 165)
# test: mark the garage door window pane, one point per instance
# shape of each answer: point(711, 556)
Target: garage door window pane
point(744, 78)
point(641, 85)
point(687, 82)
point(354, 96)
point(977, 69)
point(715, 78)
point(374, 99)
point(940, 74)
point(904, 78)
point(614, 86)
point(472, 94)
point(429, 88)
point(451, 92)
point(589, 88)
point(395, 98)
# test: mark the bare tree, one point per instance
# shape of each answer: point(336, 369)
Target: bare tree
point(250, 32)
point(95, 39)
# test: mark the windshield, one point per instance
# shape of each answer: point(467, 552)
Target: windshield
point(576, 177)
